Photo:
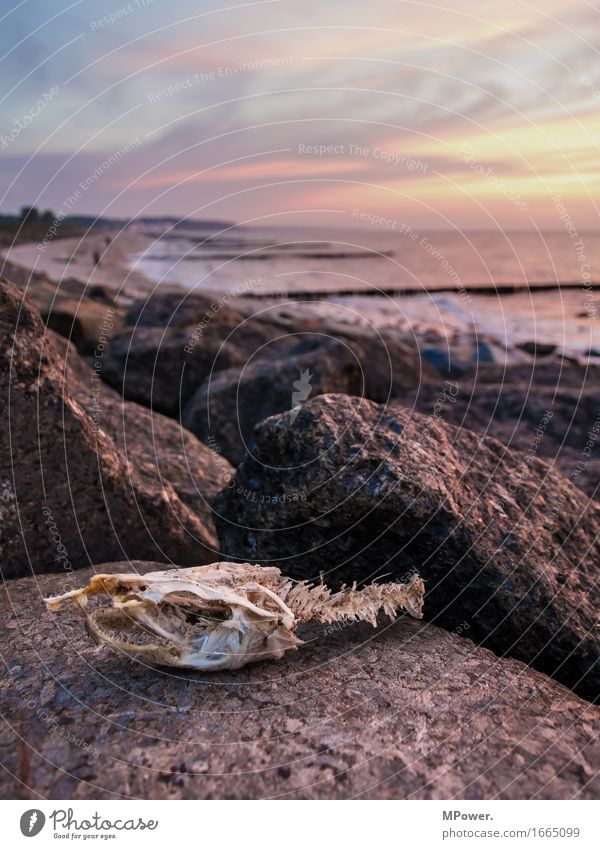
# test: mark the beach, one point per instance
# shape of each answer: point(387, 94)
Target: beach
point(75, 258)
point(422, 292)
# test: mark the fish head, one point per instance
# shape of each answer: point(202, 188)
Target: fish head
point(215, 617)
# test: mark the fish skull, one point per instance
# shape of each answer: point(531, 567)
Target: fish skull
point(224, 615)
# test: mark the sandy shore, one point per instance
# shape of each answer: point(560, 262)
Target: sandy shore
point(436, 318)
point(75, 258)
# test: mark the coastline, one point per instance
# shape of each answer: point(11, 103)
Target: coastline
point(73, 258)
point(506, 316)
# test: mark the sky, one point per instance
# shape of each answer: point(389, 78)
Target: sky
point(446, 114)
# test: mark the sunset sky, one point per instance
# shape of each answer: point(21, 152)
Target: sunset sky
point(465, 113)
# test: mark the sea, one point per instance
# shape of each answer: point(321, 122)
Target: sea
point(512, 287)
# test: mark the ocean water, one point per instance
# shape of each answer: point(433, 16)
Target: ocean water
point(511, 287)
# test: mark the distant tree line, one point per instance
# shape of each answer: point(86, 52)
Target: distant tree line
point(31, 215)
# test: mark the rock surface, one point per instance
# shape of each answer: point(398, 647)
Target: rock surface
point(177, 307)
point(162, 367)
point(390, 361)
point(158, 447)
point(226, 408)
point(355, 489)
point(81, 479)
point(549, 409)
point(83, 314)
point(175, 343)
point(404, 711)
point(332, 357)
point(85, 322)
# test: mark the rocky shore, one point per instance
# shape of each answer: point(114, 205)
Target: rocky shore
point(174, 427)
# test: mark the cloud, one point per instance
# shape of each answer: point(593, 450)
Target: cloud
point(267, 77)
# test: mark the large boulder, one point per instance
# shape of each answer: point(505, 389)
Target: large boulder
point(330, 357)
point(557, 372)
point(162, 367)
point(158, 447)
point(84, 321)
point(547, 409)
point(354, 489)
point(404, 711)
point(81, 477)
point(391, 362)
point(226, 408)
point(86, 315)
point(168, 306)
point(174, 343)
point(390, 359)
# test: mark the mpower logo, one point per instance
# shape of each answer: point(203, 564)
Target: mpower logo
point(32, 822)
